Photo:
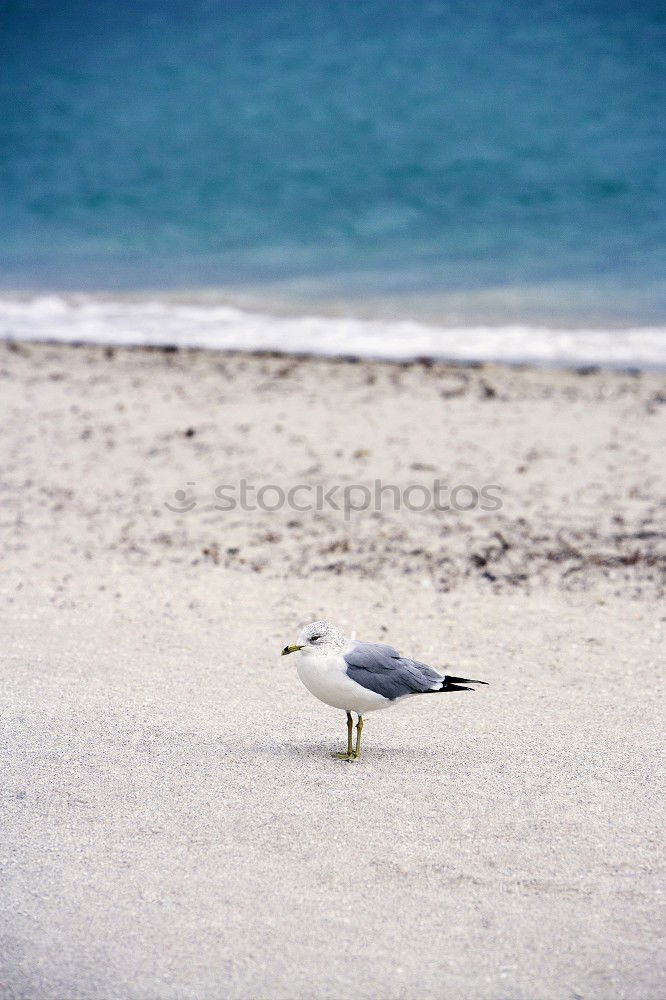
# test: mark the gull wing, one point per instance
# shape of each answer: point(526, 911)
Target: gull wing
point(382, 669)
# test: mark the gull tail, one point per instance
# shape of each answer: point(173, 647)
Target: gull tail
point(450, 683)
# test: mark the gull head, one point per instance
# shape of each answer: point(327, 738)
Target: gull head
point(318, 637)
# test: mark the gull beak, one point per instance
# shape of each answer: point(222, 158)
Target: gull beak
point(290, 649)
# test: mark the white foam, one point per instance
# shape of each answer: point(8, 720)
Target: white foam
point(161, 322)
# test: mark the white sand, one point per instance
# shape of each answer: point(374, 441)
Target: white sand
point(171, 822)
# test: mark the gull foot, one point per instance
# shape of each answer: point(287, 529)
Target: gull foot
point(344, 756)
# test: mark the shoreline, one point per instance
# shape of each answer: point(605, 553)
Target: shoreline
point(222, 326)
point(268, 353)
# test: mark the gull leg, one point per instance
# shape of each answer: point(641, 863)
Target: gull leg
point(350, 750)
point(359, 730)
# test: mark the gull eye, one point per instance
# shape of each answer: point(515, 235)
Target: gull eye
point(314, 638)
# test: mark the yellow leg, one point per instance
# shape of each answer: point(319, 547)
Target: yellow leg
point(359, 730)
point(350, 755)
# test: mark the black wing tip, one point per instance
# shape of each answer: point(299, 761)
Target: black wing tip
point(450, 683)
point(462, 680)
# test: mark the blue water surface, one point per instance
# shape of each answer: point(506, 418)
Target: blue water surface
point(379, 147)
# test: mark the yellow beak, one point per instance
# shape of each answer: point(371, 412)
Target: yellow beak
point(290, 649)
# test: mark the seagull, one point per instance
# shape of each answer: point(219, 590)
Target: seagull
point(362, 677)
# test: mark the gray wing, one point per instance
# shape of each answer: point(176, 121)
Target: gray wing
point(382, 669)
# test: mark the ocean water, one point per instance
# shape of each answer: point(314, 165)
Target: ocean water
point(384, 168)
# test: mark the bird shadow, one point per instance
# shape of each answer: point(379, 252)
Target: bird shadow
point(305, 750)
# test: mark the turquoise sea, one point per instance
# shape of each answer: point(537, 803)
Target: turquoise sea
point(456, 165)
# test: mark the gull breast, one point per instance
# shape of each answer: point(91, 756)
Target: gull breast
point(325, 676)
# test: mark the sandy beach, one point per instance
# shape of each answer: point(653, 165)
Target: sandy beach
point(172, 823)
